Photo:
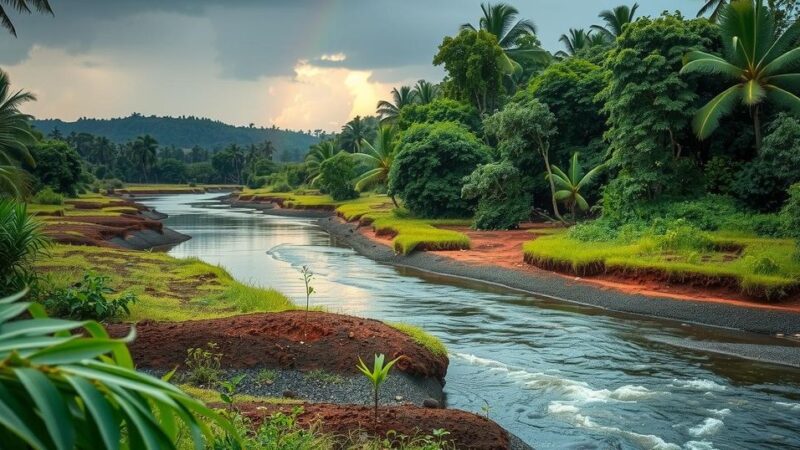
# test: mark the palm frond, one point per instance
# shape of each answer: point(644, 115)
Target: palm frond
point(707, 118)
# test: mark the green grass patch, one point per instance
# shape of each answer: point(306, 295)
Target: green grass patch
point(167, 288)
point(762, 267)
point(212, 396)
point(421, 337)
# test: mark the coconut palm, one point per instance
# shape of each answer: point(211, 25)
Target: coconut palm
point(615, 19)
point(357, 130)
point(15, 137)
point(380, 156)
point(715, 6)
point(425, 92)
point(576, 40)
point(500, 20)
point(569, 185)
point(761, 66)
point(144, 150)
point(21, 6)
point(318, 154)
point(389, 110)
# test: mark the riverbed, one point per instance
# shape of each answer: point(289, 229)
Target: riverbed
point(556, 374)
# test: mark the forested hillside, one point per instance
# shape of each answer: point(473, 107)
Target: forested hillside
point(186, 132)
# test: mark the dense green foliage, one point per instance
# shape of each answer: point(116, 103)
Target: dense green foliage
point(650, 107)
point(502, 200)
point(48, 196)
point(378, 156)
point(57, 165)
point(791, 214)
point(429, 168)
point(336, 177)
point(21, 241)
point(441, 110)
point(473, 61)
point(15, 138)
point(186, 132)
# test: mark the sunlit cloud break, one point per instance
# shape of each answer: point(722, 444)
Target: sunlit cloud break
point(333, 57)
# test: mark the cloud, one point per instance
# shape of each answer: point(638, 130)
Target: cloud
point(335, 57)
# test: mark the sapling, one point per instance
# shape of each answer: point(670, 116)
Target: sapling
point(308, 276)
point(229, 389)
point(377, 376)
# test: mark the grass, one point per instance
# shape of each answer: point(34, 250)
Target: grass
point(212, 396)
point(324, 376)
point(167, 288)
point(762, 267)
point(420, 336)
point(266, 376)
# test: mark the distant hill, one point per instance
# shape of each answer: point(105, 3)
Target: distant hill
point(186, 132)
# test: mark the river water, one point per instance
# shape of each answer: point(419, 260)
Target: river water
point(557, 375)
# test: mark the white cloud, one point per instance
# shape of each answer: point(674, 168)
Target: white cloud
point(334, 57)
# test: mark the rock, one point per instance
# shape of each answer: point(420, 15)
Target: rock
point(351, 335)
point(291, 394)
point(398, 398)
point(431, 403)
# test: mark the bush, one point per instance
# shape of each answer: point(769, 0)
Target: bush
point(440, 110)
point(21, 240)
point(502, 202)
point(763, 183)
point(790, 215)
point(336, 177)
point(430, 166)
point(48, 197)
point(204, 365)
point(255, 181)
point(87, 300)
point(57, 165)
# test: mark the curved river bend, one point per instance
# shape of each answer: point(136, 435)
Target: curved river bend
point(557, 375)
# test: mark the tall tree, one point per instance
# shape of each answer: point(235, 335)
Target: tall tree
point(425, 92)
point(318, 154)
point(389, 110)
point(575, 41)
point(379, 156)
point(715, 6)
point(785, 12)
point(144, 150)
point(357, 130)
point(21, 6)
point(15, 137)
point(615, 19)
point(760, 65)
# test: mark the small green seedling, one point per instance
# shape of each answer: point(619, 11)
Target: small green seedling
point(229, 389)
point(308, 276)
point(377, 375)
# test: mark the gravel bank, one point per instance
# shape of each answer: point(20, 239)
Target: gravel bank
point(559, 288)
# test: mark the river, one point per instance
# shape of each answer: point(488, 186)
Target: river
point(555, 374)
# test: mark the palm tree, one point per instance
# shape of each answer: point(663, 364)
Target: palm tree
point(715, 6)
point(144, 150)
point(568, 186)
point(380, 157)
point(761, 66)
point(389, 110)
point(615, 19)
point(425, 92)
point(318, 154)
point(517, 38)
point(21, 6)
point(15, 137)
point(357, 130)
point(576, 40)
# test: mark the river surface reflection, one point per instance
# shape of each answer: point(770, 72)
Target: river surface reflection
point(557, 375)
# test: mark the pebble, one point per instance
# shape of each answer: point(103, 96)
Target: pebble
point(291, 394)
point(398, 398)
point(351, 335)
point(430, 403)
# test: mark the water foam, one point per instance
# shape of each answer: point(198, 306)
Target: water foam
point(699, 445)
point(720, 412)
point(709, 427)
point(699, 385)
point(791, 406)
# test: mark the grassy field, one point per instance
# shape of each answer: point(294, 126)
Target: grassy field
point(762, 267)
point(167, 288)
point(106, 206)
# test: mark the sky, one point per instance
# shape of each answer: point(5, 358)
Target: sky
point(297, 64)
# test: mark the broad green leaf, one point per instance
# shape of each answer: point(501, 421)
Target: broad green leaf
point(9, 420)
point(707, 118)
point(74, 350)
point(53, 409)
point(100, 410)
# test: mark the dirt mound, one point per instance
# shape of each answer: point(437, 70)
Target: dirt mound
point(97, 230)
point(331, 342)
point(467, 431)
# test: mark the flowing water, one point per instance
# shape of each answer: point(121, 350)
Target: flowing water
point(555, 374)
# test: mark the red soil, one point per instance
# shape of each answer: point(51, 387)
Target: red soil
point(467, 431)
point(504, 249)
point(332, 342)
point(97, 230)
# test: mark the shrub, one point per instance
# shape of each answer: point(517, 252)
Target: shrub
point(255, 181)
point(502, 201)
point(763, 183)
point(430, 166)
point(48, 197)
point(57, 165)
point(790, 215)
point(204, 365)
point(440, 110)
point(680, 236)
point(87, 300)
point(21, 240)
point(336, 177)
